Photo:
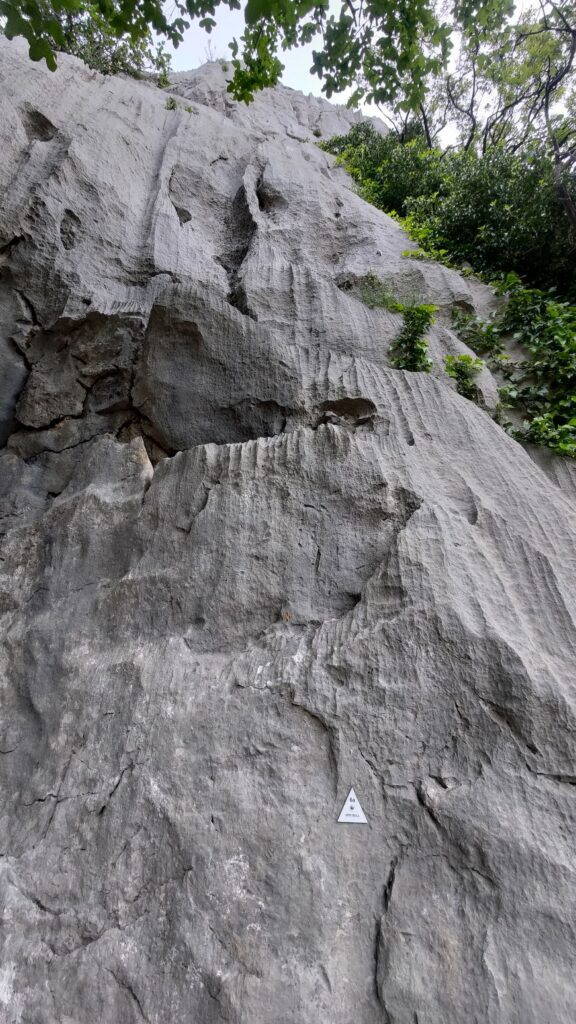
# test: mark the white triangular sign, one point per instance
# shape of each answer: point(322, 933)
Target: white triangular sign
point(352, 813)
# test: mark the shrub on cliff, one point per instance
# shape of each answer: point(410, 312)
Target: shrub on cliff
point(499, 211)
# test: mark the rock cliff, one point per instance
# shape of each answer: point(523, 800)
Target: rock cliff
point(246, 565)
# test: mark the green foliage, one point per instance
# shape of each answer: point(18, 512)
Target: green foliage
point(541, 387)
point(82, 29)
point(463, 369)
point(410, 349)
point(560, 437)
point(373, 293)
point(499, 212)
point(162, 63)
point(384, 49)
point(388, 173)
point(171, 103)
point(480, 335)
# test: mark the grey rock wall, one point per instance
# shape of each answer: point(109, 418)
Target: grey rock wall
point(245, 565)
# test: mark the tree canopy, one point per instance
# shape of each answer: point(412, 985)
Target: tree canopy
point(385, 49)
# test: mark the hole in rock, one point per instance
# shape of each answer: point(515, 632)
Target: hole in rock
point(357, 410)
point(36, 125)
point(238, 299)
point(269, 199)
point(183, 215)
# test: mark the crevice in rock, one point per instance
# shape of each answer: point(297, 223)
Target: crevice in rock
point(424, 801)
point(389, 884)
point(58, 421)
point(241, 230)
point(9, 422)
point(377, 970)
point(563, 779)
point(36, 125)
point(265, 418)
point(42, 906)
point(28, 304)
point(371, 765)
point(258, 418)
point(238, 299)
point(128, 767)
point(6, 249)
point(440, 781)
point(140, 426)
point(377, 937)
point(127, 987)
point(56, 798)
point(184, 216)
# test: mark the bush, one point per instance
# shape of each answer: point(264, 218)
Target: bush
point(387, 172)
point(410, 349)
point(463, 369)
point(542, 387)
point(499, 212)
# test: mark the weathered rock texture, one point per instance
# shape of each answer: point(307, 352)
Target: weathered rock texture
point(246, 565)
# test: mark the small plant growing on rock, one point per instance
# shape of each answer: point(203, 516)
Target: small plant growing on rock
point(375, 295)
point(463, 369)
point(483, 336)
point(171, 103)
point(410, 350)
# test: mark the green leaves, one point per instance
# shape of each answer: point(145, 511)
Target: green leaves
point(463, 369)
point(542, 386)
point(82, 29)
point(382, 48)
point(410, 349)
point(40, 49)
point(501, 214)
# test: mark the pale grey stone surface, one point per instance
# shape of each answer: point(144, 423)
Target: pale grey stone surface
point(246, 565)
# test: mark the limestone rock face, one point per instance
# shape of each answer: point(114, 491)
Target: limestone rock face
point(245, 566)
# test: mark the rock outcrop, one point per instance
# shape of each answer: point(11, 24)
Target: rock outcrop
point(246, 565)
